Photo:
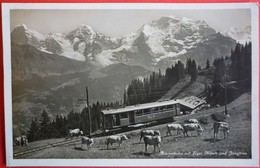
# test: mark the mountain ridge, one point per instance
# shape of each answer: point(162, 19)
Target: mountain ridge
point(164, 39)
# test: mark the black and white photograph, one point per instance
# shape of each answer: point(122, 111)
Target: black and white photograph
point(146, 84)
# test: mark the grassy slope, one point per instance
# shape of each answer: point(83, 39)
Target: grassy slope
point(186, 88)
point(238, 141)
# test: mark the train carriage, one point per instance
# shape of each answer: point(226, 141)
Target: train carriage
point(141, 113)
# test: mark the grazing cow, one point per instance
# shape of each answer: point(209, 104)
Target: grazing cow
point(173, 127)
point(152, 140)
point(193, 120)
point(222, 126)
point(87, 142)
point(115, 139)
point(149, 132)
point(21, 141)
point(192, 127)
point(75, 132)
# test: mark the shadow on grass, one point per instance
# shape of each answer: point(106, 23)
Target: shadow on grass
point(80, 148)
point(137, 143)
point(212, 140)
point(108, 148)
point(190, 136)
point(141, 153)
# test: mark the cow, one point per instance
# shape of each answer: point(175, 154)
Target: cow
point(173, 127)
point(86, 142)
point(115, 139)
point(193, 120)
point(152, 140)
point(75, 132)
point(18, 141)
point(149, 132)
point(21, 141)
point(192, 127)
point(221, 126)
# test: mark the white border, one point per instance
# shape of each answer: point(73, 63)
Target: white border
point(6, 7)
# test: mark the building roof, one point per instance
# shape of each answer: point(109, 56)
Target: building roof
point(191, 102)
point(139, 107)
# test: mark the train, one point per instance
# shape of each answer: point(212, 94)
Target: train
point(139, 114)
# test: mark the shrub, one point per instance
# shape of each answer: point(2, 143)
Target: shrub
point(218, 116)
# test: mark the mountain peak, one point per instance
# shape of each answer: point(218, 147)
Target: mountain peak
point(241, 35)
point(86, 27)
point(29, 31)
point(26, 35)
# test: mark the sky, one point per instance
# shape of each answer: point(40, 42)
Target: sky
point(118, 22)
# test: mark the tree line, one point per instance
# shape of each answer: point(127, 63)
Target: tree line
point(153, 87)
point(45, 127)
point(232, 73)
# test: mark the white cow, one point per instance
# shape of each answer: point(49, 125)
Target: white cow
point(115, 139)
point(75, 132)
point(221, 126)
point(193, 120)
point(86, 142)
point(152, 140)
point(149, 132)
point(192, 127)
point(173, 127)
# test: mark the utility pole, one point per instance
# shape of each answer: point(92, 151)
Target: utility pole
point(225, 84)
point(89, 116)
point(225, 87)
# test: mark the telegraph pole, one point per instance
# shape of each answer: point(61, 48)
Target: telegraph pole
point(89, 116)
point(225, 84)
point(225, 87)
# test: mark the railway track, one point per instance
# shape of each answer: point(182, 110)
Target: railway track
point(23, 152)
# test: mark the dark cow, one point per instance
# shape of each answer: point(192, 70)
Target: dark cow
point(221, 126)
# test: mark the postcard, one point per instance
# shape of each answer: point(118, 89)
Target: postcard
point(131, 84)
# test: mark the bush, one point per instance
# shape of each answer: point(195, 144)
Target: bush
point(218, 116)
point(203, 120)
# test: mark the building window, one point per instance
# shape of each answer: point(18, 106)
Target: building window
point(146, 111)
point(154, 110)
point(123, 115)
point(162, 108)
point(170, 107)
point(138, 112)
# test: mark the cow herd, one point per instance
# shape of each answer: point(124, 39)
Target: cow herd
point(153, 137)
point(150, 137)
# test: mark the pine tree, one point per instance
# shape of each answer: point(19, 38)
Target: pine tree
point(46, 127)
point(33, 131)
point(207, 66)
point(194, 71)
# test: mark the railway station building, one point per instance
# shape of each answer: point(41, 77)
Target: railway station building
point(191, 104)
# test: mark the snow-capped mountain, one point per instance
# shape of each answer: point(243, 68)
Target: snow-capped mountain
point(241, 35)
point(165, 39)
